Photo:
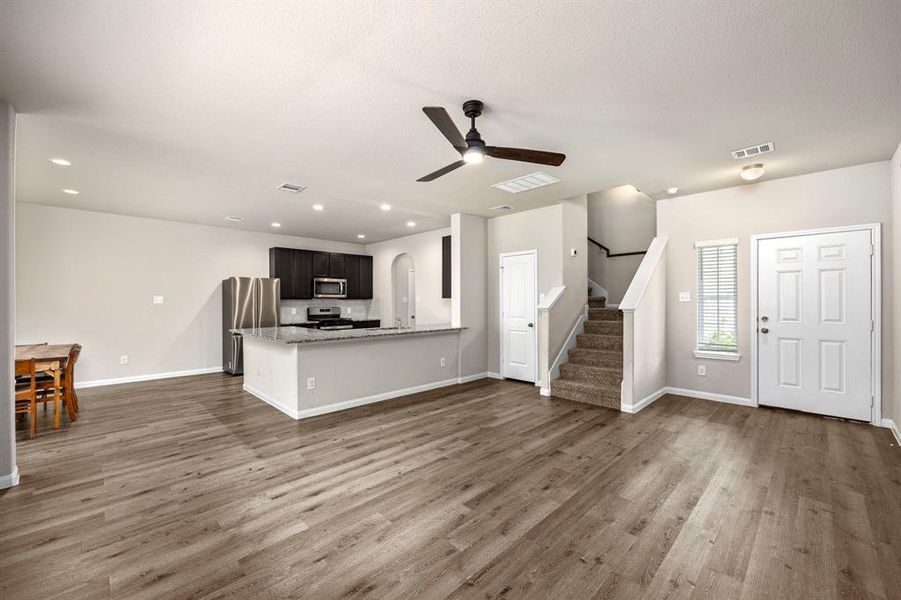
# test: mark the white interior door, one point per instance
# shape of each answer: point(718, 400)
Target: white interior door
point(815, 323)
point(519, 296)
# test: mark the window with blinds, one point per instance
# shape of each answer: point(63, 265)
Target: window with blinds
point(718, 296)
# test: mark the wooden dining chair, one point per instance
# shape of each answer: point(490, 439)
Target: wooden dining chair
point(46, 385)
point(27, 393)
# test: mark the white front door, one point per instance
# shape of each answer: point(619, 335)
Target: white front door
point(814, 323)
point(519, 297)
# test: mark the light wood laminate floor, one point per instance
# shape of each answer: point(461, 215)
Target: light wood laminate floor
point(189, 488)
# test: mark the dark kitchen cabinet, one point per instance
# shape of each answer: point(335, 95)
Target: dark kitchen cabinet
point(365, 277)
point(320, 264)
point(337, 265)
point(303, 274)
point(281, 262)
point(446, 266)
point(294, 269)
point(297, 268)
point(352, 269)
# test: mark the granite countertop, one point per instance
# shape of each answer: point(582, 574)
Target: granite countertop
point(302, 335)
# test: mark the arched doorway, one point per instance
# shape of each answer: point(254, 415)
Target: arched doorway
point(403, 284)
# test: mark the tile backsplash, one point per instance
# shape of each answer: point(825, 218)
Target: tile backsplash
point(350, 309)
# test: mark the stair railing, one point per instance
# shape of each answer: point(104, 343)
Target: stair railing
point(615, 254)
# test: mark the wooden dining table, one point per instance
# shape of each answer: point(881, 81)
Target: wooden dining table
point(52, 359)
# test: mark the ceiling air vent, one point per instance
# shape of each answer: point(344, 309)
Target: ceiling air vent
point(501, 207)
point(526, 183)
point(294, 188)
point(753, 151)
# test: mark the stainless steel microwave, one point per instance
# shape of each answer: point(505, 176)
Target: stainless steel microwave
point(328, 287)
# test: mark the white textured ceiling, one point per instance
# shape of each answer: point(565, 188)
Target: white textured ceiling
point(190, 111)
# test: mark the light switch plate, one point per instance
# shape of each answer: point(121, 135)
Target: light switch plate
point(702, 370)
point(311, 383)
point(684, 296)
point(157, 299)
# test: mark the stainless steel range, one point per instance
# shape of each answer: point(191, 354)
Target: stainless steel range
point(328, 318)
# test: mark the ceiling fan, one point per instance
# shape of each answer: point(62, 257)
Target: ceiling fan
point(473, 149)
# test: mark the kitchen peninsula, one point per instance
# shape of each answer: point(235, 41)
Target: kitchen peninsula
point(307, 372)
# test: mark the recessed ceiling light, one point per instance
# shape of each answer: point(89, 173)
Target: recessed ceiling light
point(70, 191)
point(61, 162)
point(672, 190)
point(361, 236)
point(752, 172)
point(274, 224)
point(411, 223)
point(385, 207)
point(318, 207)
point(234, 218)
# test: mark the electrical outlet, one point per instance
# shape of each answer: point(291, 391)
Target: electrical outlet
point(293, 311)
point(443, 362)
point(157, 299)
point(702, 371)
point(311, 383)
point(123, 360)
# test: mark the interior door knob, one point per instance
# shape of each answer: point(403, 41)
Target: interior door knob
point(531, 324)
point(764, 330)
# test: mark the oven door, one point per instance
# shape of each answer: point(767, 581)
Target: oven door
point(327, 287)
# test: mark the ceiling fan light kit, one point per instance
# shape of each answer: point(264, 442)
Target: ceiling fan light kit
point(472, 148)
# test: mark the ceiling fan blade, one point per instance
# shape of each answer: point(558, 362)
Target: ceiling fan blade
point(530, 156)
point(445, 125)
point(443, 171)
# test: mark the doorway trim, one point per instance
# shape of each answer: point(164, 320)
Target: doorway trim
point(875, 230)
point(500, 308)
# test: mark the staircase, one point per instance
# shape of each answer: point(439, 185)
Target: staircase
point(594, 372)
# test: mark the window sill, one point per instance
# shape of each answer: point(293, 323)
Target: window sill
point(733, 356)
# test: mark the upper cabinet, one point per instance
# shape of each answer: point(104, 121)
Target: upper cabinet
point(446, 266)
point(297, 268)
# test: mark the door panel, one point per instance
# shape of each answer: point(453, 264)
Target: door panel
point(519, 295)
point(814, 323)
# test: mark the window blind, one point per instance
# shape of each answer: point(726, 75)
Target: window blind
point(718, 297)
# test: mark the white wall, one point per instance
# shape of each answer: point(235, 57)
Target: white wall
point(644, 331)
point(891, 405)
point(624, 220)
point(89, 277)
point(469, 278)
point(552, 231)
point(847, 196)
point(8, 472)
point(425, 250)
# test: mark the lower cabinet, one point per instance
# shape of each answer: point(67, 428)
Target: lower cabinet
point(367, 324)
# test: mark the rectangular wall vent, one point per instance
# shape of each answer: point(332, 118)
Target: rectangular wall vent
point(753, 151)
point(501, 207)
point(294, 188)
point(526, 183)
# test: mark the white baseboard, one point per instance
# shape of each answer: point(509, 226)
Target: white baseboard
point(596, 289)
point(890, 424)
point(355, 402)
point(8, 481)
point(475, 376)
point(288, 410)
point(545, 391)
point(647, 400)
point(148, 377)
point(710, 396)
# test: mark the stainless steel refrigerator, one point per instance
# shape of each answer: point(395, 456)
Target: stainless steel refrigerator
point(247, 303)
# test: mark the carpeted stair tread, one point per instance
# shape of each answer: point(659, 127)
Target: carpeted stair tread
point(596, 358)
point(588, 393)
point(599, 342)
point(597, 301)
point(605, 314)
point(603, 376)
point(604, 327)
